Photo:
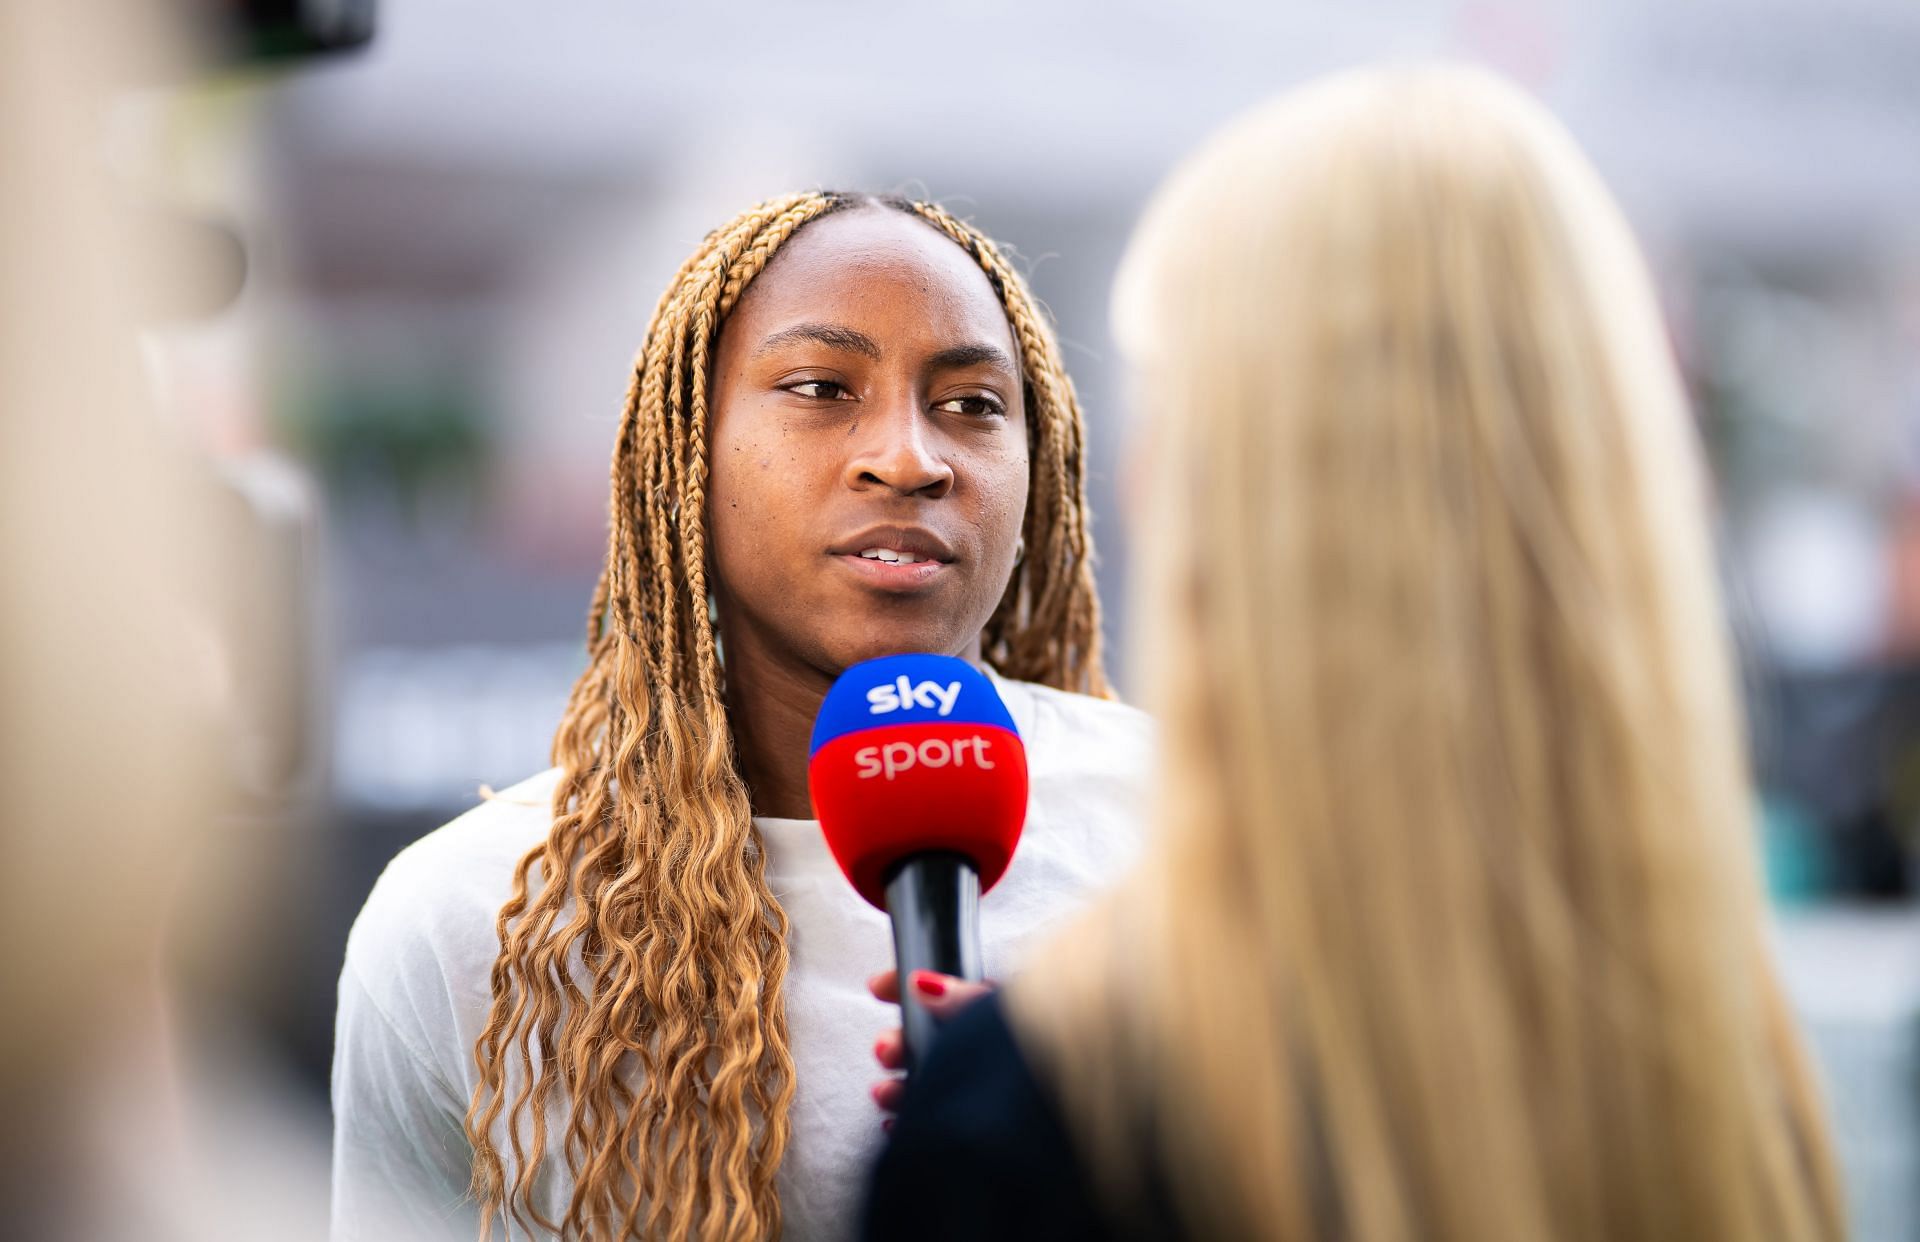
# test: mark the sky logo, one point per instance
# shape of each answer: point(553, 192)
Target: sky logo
point(901, 692)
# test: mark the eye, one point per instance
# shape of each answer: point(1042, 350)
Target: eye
point(819, 390)
point(977, 405)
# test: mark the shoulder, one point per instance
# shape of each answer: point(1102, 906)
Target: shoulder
point(424, 943)
point(435, 886)
point(1091, 766)
point(1078, 731)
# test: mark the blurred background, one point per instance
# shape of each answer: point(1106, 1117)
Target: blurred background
point(428, 234)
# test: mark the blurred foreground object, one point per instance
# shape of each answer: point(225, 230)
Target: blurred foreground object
point(115, 671)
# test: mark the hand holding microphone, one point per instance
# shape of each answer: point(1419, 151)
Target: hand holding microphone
point(942, 996)
point(919, 779)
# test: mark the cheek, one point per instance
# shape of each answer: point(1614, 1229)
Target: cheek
point(1019, 478)
point(730, 470)
point(756, 495)
point(1017, 499)
point(741, 474)
point(1004, 495)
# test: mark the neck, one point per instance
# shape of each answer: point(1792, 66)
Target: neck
point(772, 704)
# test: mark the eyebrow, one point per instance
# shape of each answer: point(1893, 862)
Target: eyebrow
point(854, 341)
point(971, 356)
point(833, 336)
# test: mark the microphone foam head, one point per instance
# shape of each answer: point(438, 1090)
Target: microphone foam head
point(916, 754)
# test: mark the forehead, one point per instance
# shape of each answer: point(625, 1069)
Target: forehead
point(882, 271)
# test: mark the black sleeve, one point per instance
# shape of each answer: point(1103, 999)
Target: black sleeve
point(979, 1151)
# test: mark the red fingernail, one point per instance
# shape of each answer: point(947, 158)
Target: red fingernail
point(929, 984)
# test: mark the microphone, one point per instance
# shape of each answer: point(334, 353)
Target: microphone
point(919, 780)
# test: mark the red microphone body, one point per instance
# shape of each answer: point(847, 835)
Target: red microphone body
point(919, 779)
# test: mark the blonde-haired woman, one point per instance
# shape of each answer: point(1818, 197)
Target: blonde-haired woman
point(1451, 928)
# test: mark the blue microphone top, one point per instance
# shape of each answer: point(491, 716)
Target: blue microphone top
point(908, 689)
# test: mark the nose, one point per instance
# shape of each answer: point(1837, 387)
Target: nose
point(896, 448)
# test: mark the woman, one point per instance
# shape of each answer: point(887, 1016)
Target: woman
point(1451, 929)
point(614, 997)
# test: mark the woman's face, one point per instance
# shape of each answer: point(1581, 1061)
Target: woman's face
point(868, 447)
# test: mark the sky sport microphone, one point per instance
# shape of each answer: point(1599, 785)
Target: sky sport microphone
point(920, 782)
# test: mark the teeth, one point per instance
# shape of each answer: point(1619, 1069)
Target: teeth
point(891, 557)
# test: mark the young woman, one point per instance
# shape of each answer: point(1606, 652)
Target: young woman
point(615, 999)
point(1451, 928)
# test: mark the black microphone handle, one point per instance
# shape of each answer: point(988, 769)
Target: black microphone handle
point(934, 901)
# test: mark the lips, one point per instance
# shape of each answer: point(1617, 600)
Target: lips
point(893, 544)
point(895, 558)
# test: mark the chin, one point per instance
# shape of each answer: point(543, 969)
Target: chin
point(849, 648)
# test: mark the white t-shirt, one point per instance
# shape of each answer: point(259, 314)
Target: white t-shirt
point(414, 990)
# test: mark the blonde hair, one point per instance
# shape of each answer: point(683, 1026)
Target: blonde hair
point(642, 953)
point(1452, 929)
